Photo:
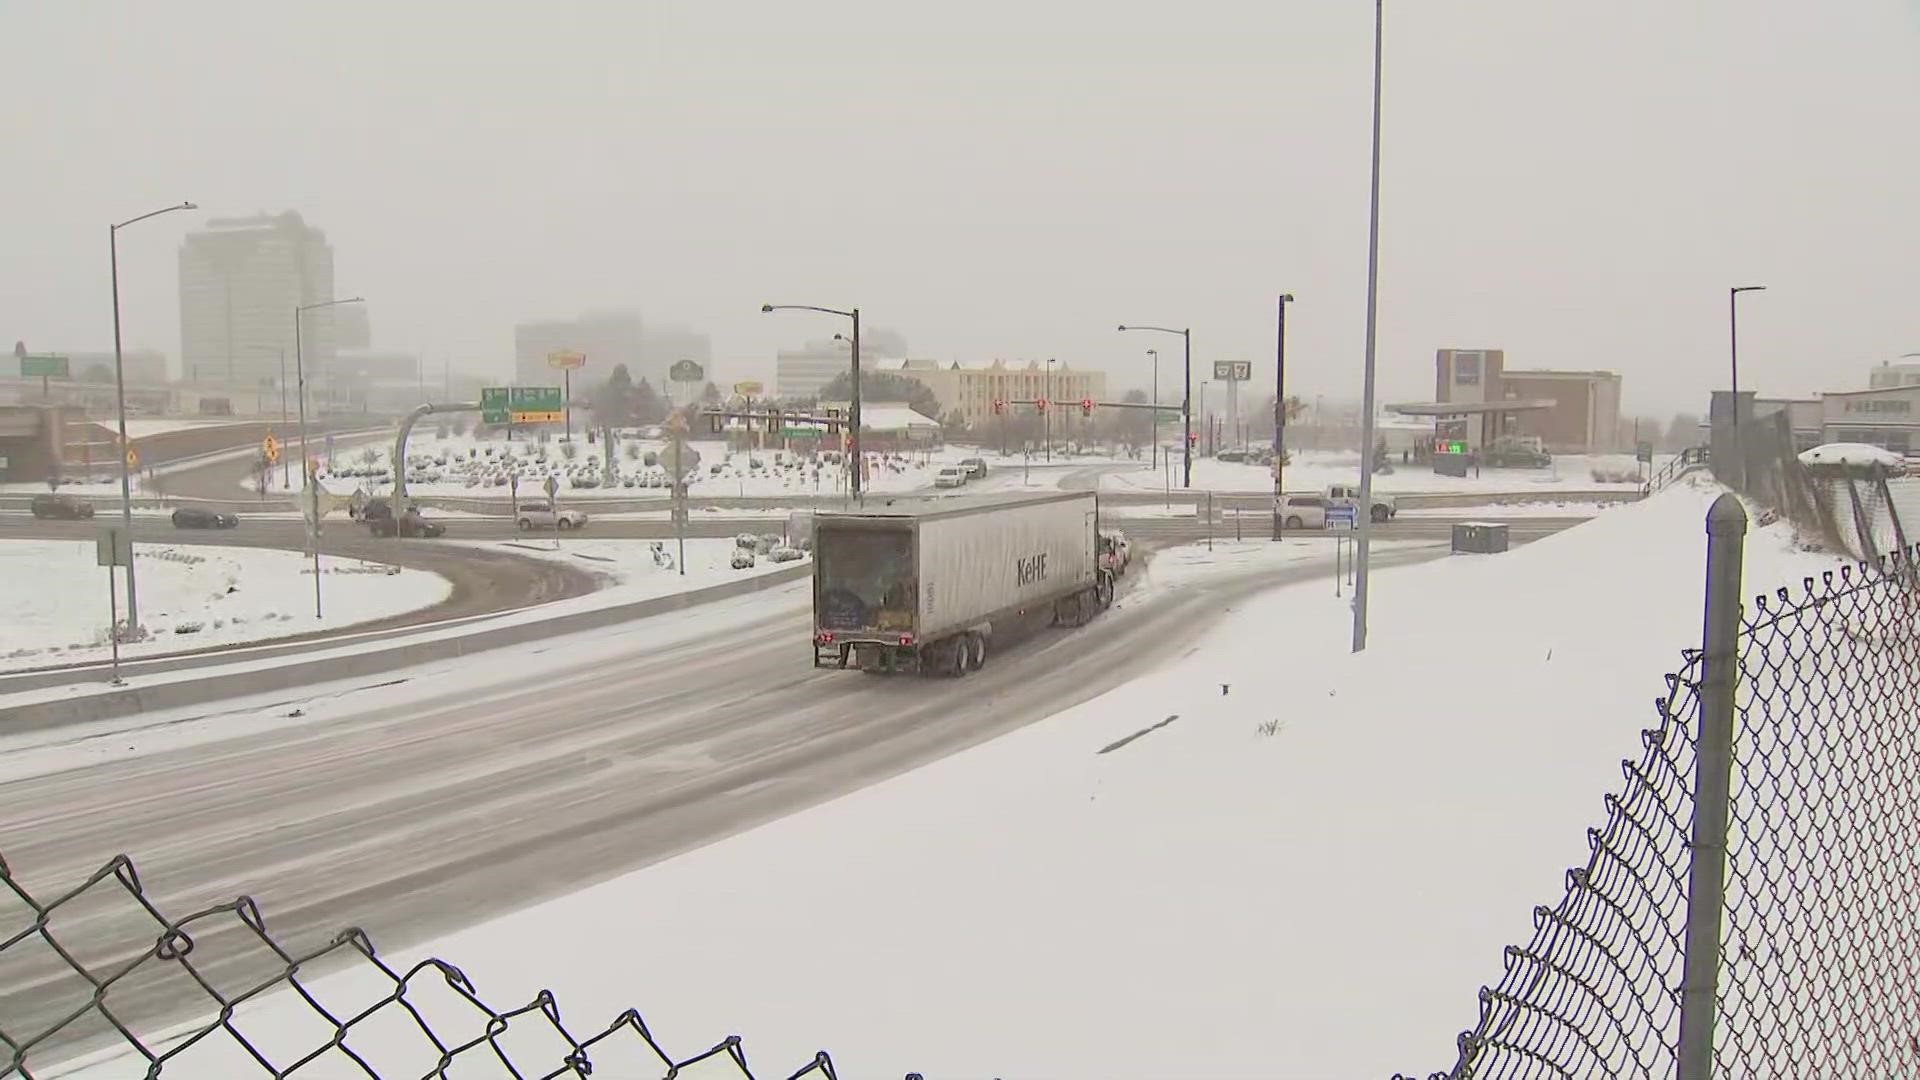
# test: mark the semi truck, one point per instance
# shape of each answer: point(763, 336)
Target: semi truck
point(924, 584)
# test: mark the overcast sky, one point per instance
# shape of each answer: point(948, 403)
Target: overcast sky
point(1577, 183)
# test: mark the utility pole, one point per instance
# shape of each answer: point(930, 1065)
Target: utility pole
point(1153, 452)
point(1280, 411)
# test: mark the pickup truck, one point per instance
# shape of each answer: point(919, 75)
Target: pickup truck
point(1384, 506)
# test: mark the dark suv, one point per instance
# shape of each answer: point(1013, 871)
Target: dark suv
point(61, 506)
point(378, 516)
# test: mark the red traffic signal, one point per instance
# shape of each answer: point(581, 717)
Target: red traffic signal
point(1086, 406)
point(1192, 437)
point(999, 406)
point(1040, 405)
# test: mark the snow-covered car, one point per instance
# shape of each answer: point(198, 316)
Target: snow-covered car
point(540, 514)
point(742, 559)
point(783, 553)
point(950, 476)
point(976, 467)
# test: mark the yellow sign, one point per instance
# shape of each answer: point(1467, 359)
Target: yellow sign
point(270, 446)
point(538, 417)
point(133, 458)
point(751, 388)
point(566, 358)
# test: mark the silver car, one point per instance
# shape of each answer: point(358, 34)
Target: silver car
point(540, 514)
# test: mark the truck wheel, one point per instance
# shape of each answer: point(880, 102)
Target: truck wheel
point(979, 648)
point(525, 525)
point(1379, 515)
point(962, 656)
point(1294, 523)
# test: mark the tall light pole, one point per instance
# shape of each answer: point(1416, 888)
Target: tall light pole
point(306, 460)
point(853, 407)
point(1046, 415)
point(1365, 510)
point(120, 406)
point(1153, 452)
point(1279, 409)
point(1186, 398)
point(1733, 360)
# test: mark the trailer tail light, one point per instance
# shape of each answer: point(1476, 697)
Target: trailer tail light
point(906, 639)
point(825, 637)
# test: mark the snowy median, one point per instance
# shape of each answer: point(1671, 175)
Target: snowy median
point(638, 569)
point(191, 596)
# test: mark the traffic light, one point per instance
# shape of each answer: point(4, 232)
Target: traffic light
point(1086, 406)
point(1192, 437)
point(1040, 405)
point(999, 406)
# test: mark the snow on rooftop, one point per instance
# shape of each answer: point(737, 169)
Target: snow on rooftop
point(1853, 455)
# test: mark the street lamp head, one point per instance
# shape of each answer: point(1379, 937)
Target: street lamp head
point(764, 308)
point(1123, 327)
point(1749, 288)
point(1286, 298)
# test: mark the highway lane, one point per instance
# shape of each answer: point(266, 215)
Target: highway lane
point(491, 793)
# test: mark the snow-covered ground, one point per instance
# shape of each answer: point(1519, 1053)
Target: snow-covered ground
point(1270, 858)
point(1506, 511)
point(190, 596)
point(141, 427)
point(638, 569)
point(1314, 469)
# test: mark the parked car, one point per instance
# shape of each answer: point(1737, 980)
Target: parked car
point(191, 517)
point(976, 467)
point(541, 514)
point(61, 506)
point(950, 476)
point(1515, 457)
point(1231, 455)
point(1304, 511)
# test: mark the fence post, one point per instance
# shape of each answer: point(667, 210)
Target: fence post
point(1712, 788)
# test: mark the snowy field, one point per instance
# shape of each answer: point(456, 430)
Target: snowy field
point(462, 465)
point(190, 596)
point(1314, 469)
point(638, 569)
point(1271, 858)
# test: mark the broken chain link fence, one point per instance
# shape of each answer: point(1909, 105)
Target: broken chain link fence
point(242, 1005)
point(1818, 966)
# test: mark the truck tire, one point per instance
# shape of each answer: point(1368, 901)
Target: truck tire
point(977, 644)
point(1380, 515)
point(526, 525)
point(1294, 522)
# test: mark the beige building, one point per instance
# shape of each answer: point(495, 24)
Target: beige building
point(972, 391)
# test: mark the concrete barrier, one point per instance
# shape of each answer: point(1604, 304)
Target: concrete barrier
point(338, 662)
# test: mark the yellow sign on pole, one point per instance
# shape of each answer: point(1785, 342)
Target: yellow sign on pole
point(270, 447)
point(133, 458)
point(566, 359)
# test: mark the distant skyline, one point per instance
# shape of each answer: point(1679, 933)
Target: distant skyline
point(1576, 185)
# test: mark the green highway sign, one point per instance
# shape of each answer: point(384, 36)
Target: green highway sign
point(1643, 452)
point(521, 405)
point(43, 367)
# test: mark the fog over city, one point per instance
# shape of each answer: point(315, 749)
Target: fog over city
point(1575, 184)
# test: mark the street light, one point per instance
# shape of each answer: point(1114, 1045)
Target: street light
point(1364, 512)
point(1733, 350)
point(120, 406)
point(1279, 409)
point(1186, 398)
point(1046, 417)
point(1153, 452)
point(306, 460)
point(853, 407)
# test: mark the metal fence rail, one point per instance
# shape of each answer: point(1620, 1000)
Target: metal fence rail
point(426, 1021)
point(1750, 907)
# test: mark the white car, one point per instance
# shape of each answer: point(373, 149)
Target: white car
point(950, 476)
point(542, 515)
point(1304, 511)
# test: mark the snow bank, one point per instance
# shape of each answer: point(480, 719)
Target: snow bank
point(633, 569)
point(190, 596)
point(1315, 469)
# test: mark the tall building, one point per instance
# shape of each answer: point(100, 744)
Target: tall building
point(608, 338)
point(240, 281)
point(1902, 372)
point(802, 373)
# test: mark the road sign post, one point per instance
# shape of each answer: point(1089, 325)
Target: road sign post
point(565, 360)
point(113, 547)
point(1341, 519)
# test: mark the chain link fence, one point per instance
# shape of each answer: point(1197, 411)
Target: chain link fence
point(274, 1016)
point(1751, 906)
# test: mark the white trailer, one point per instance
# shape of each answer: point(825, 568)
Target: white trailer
point(919, 584)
